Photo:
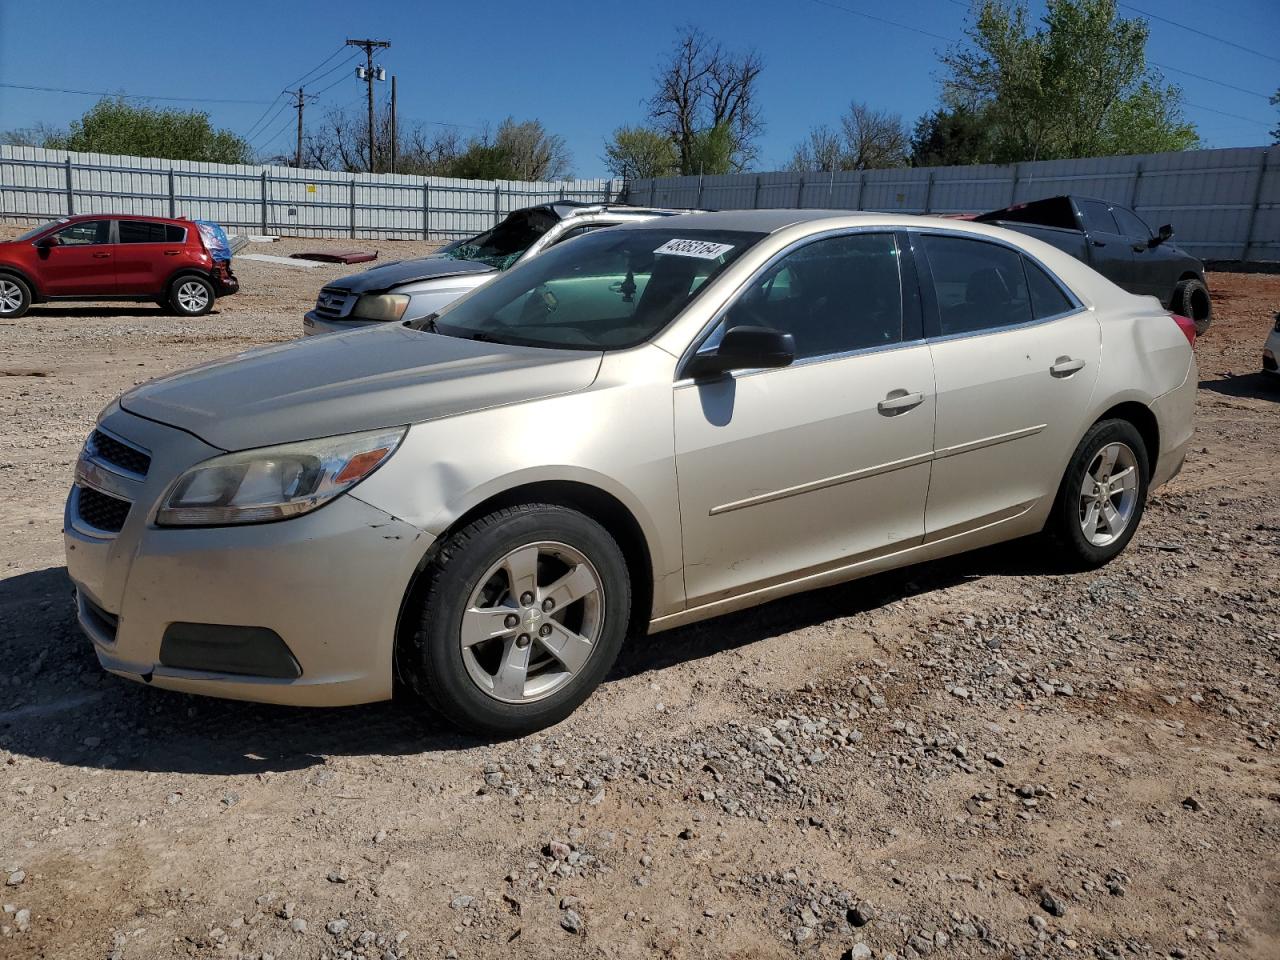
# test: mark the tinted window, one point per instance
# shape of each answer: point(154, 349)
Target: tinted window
point(579, 231)
point(85, 232)
point(1131, 224)
point(1047, 298)
point(832, 296)
point(1097, 216)
point(609, 290)
point(978, 285)
point(140, 231)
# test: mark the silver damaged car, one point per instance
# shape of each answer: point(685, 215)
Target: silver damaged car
point(642, 428)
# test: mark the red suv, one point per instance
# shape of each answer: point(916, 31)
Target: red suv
point(109, 257)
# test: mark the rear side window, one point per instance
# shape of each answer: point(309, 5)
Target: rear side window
point(1131, 224)
point(978, 285)
point(1097, 216)
point(1047, 298)
point(140, 231)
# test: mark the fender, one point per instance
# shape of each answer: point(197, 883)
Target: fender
point(36, 295)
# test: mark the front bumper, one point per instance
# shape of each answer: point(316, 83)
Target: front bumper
point(313, 323)
point(329, 585)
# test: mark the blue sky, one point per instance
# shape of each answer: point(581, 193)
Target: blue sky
point(581, 67)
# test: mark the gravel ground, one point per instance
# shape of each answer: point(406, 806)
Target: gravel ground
point(976, 757)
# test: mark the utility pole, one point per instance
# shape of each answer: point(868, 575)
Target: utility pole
point(393, 123)
point(299, 102)
point(368, 73)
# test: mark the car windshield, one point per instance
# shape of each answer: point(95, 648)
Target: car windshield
point(34, 231)
point(608, 290)
point(504, 244)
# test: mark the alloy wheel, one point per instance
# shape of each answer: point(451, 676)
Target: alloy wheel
point(532, 622)
point(10, 296)
point(1109, 494)
point(193, 296)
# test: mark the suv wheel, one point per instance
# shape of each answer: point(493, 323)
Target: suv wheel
point(15, 296)
point(523, 615)
point(191, 296)
point(1103, 495)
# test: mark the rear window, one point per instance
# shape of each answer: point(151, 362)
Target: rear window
point(142, 231)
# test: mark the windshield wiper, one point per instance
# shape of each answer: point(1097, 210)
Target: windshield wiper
point(427, 323)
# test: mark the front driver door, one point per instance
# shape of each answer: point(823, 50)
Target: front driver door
point(81, 263)
point(797, 470)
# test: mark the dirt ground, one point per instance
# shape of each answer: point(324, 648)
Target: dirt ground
point(977, 757)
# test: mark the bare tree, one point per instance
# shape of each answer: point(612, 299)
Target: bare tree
point(532, 152)
point(703, 87)
point(868, 140)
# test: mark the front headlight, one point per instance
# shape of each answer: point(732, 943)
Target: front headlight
point(274, 483)
point(380, 306)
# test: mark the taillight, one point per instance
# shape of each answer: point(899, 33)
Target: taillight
point(1187, 326)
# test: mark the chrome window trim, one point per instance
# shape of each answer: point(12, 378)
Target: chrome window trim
point(808, 361)
point(698, 339)
point(1078, 306)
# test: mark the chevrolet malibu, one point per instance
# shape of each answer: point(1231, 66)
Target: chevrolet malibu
point(647, 427)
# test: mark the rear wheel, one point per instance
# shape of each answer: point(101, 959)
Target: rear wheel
point(1191, 299)
point(15, 296)
point(523, 614)
point(191, 296)
point(1103, 495)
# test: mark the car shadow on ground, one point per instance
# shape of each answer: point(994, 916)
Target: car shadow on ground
point(60, 706)
point(1258, 385)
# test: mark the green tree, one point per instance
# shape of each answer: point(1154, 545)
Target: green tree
point(1275, 132)
point(116, 126)
point(949, 138)
point(1077, 85)
point(636, 153)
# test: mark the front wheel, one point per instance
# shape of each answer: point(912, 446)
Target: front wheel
point(523, 613)
point(191, 296)
point(1103, 495)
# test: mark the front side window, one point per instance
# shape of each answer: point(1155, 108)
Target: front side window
point(610, 290)
point(1130, 224)
point(84, 233)
point(36, 231)
point(977, 285)
point(833, 296)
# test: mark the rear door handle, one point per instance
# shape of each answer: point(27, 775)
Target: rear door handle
point(101, 256)
point(1065, 367)
point(172, 253)
point(899, 401)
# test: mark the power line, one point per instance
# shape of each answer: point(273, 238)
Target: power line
point(1197, 30)
point(125, 96)
point(892, 23)
point(1229, 86)
point(1233, 116)
point(306, 77)
point(270, 120)
point(256, 125)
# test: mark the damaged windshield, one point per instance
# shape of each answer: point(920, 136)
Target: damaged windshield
point(506, 243)
point(608, 290)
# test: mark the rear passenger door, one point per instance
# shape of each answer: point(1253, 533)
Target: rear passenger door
point(1015, 358)
point(1110, 251)
point(146, 254)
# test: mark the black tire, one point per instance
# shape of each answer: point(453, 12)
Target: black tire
point(14, 287)
point(1191, 299)
point(1064, 527)
point(184, 301)
point(432, 660)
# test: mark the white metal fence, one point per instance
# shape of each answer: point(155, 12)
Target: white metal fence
point(38, 184)
point(1223, 204)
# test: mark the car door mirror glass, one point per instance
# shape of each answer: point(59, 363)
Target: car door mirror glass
point(44, 243)
point(1162, 234)
point(743, 347)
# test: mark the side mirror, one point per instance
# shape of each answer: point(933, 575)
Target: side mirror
point(745, 348)
point(44, 243)
point(1162, 234)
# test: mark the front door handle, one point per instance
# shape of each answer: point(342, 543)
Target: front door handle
point(1065, 367)
point(1099, 243)
point(899, 401)
point(1139, 248)
point(101, 256)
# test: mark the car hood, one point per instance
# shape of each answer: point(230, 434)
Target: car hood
point(346, 382)
point(391, 275)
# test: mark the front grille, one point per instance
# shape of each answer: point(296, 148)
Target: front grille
point(107, 448)
point(334, 303)
point(100, 511)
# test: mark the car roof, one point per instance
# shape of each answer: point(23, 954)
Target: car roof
point(124, 216)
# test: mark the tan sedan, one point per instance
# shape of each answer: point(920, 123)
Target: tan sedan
point(644, 427)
